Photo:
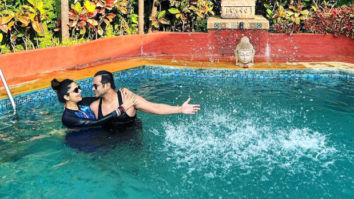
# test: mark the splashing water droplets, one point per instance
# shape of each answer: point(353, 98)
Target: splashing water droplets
point(218, 142)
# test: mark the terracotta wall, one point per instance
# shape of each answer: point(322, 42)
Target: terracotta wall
point(220, 45)
point(189, 46)
point(212, 46)
point(52, 59)
point(311, 47)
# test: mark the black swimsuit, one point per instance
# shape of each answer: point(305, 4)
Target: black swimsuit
point(123, 120)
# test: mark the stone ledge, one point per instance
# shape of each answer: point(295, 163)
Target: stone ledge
point(258, 23)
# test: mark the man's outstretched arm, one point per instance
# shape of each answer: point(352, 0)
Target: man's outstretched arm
point(163, 109)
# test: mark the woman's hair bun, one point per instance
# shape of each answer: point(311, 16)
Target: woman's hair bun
point(61, 88)
point(55, 85)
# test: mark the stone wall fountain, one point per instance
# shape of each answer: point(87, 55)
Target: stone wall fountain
point(239, 16)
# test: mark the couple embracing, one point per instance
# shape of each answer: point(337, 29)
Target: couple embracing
point(109, 108)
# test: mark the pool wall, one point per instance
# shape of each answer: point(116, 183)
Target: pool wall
point(217, 45)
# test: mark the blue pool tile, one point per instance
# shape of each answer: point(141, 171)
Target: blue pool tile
point(36, 98)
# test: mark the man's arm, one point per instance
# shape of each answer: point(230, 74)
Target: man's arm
point(162, 109)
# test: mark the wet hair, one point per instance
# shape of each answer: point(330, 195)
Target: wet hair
point(61, 88)
point(106, 77)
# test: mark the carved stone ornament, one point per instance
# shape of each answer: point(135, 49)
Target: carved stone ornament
point(244, 53)
point(238, 9)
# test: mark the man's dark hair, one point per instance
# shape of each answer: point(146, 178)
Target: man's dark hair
point(107, 77)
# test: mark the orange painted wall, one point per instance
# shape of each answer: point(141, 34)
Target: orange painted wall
point(51, 59)
point(311, 47)
point(188, 46)
point(213, 46)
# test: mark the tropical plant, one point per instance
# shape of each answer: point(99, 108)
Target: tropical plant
point(345, 2)
point(23, 25)
point(310, 16)
point(182, 15)
point(338, 21)
point(84, 19)
point(126, 21)
point(289, 20)
point(93, 17)
point(186, 13)
point(159, 19)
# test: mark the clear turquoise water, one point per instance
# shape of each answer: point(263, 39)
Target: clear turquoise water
point(257, 136)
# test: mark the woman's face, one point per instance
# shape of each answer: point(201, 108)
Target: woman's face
point(74, 93)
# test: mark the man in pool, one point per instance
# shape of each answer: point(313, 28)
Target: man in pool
point(109, 100)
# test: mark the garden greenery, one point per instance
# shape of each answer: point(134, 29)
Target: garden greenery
point(31, 24)
point(312, 16)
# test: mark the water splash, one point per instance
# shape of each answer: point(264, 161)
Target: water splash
point(219, 142)
point(267, 51)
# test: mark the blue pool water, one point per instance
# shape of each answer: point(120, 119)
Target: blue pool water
point(259, 134)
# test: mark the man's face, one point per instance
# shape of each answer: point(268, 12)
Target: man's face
point(98, 88)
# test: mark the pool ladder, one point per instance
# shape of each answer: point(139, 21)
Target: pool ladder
point(8, 91)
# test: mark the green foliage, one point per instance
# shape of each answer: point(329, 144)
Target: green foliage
point(337, 21)
point(201, 25)
point(306, 3)
point(345, 2)
point(126, 21)
point(47, 40)
point(287, 20)
point(310, 16)
point(25, 23)
point(30, 24)
point(109, 31)
point(4, 49)
point(74, 41)
point(182, 15)
point(91, 19)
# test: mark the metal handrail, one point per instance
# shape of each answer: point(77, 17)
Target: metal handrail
point(8, 91)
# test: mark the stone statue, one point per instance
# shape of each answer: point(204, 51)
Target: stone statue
point(244, 53)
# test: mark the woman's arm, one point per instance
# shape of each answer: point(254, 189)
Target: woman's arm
point(70, 120)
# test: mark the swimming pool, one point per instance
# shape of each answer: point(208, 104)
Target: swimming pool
point(260, 134)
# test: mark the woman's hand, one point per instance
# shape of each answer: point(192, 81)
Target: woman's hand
point(190, 108)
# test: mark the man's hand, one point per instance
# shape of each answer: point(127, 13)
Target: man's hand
point(190, 108)
point(129, 99)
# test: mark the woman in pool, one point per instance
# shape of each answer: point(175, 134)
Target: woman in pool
point(77, 111)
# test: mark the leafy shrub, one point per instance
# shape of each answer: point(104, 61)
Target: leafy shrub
point(23, 26)
point(338, 21)
point(91, 19)
point(345, 2)
point(181, 16)
point(289, 21)
point(310, 16)
point(201, 25)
